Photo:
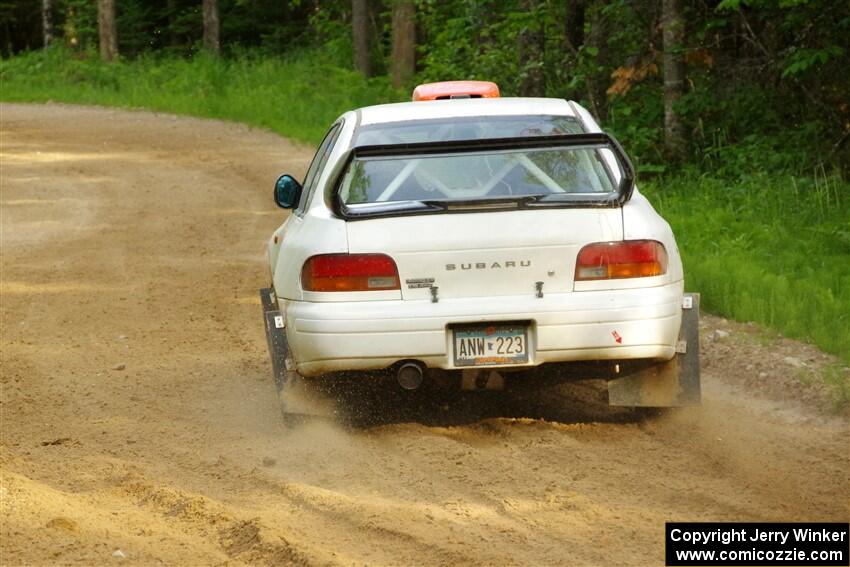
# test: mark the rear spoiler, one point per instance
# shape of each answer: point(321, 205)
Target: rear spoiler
point(593, 139)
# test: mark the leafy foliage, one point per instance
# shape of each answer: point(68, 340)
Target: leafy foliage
point(769, 77)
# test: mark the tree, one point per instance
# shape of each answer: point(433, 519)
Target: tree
point(211, 26)
point(574, 41)
point(47, 21)
point(532, 42)
point(360, 30)
point(106, 29)
point(596, 51)
point(674, 77)
point(403, 62)
point(574, 25)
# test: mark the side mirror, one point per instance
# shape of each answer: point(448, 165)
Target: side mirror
point(287, 192)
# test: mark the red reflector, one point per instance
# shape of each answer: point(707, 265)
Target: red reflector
point(625, 259)
point(456, 89)
point(349, 272)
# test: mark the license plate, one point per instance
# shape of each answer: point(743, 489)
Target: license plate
point(487, 345)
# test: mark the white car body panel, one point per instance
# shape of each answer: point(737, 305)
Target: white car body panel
point(336, 331)
point(543, 245)
point(564, 327)
point(403, 111)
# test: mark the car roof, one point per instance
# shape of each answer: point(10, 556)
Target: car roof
point(454, 108)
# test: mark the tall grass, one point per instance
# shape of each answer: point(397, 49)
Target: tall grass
point(298, 97)
point(770, 249)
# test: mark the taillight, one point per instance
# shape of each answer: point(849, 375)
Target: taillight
point(624, 259)
point(349, 272)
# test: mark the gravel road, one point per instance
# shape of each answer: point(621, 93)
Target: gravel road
point(139, 413)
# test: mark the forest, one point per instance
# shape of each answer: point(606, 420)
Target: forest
point(767, 76)
point(736, 112)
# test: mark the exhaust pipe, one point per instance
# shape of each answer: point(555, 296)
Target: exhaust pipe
point(410, 375)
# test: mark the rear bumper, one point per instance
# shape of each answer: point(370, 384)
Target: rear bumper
point(371, 335)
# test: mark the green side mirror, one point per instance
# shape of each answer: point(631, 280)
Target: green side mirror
point(287, 192)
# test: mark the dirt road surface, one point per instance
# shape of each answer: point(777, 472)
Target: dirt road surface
point(139, 418)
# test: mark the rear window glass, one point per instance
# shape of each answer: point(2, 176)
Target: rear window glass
point(544, 172)
point(465, 128)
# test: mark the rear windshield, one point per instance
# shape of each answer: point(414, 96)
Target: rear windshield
point(465, 128)
point(550, 173)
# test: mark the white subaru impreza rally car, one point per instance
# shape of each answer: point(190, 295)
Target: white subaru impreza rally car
point(478, 238)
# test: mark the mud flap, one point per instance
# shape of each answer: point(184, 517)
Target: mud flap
point(667, 384)
point(295, 406)
point(275, 336)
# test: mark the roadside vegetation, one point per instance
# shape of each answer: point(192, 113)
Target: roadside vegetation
point(774, 249)
point(752, 176)
point(297, 97)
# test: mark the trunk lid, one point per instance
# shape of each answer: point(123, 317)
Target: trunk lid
point(486, 254)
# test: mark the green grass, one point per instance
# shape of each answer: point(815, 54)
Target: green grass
point(835, 377)
point(771, 249)
point(298, 97)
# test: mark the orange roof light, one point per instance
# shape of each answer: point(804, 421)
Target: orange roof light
point(456, 89)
